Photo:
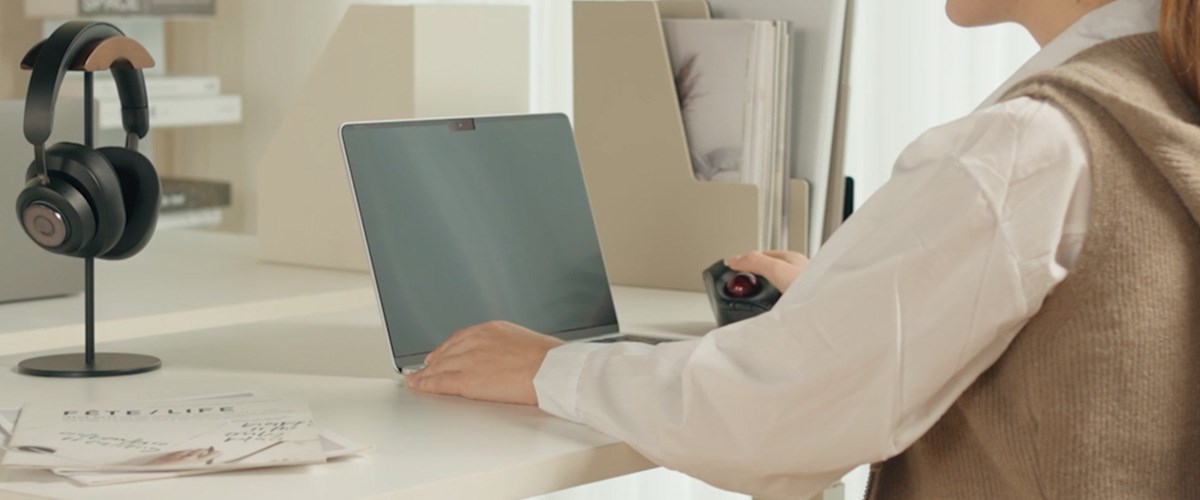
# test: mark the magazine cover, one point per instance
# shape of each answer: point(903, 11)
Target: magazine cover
point(165, 436)
point(333, 446)
point(733, 78)
point(712, 62)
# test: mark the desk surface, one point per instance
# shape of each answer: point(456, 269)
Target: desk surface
point(184, 280)
point(425, 446)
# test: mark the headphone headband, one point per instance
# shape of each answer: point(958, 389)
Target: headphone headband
point(57, 54)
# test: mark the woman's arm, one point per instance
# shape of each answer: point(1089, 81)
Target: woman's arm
point(911, 300)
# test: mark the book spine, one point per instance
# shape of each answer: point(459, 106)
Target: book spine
point(113, 8)
point(179, 111)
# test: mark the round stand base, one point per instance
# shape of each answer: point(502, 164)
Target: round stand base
point(76, 366)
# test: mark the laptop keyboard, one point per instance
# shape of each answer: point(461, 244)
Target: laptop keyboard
point(632, 338)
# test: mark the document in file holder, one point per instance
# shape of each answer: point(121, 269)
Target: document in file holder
point(733, 79)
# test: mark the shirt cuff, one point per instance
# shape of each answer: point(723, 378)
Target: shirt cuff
point(557, 381)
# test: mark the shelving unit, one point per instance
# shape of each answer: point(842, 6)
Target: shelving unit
point(175, 102)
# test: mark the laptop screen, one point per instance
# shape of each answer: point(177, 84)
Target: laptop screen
point(468, 221)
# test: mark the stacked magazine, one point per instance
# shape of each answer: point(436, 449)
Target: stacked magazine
point(118, 442)
point(734, 80)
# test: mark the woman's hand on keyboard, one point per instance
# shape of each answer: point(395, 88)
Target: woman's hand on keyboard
point(495, 361)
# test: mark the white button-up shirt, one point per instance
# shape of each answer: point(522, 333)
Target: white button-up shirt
point(912, 299)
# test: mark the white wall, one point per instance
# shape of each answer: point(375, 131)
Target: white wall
point(17, 35)
point(550, 46)
point(912, 70)
point(264, 49)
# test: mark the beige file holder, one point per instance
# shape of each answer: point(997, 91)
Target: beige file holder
point(382, 63)
point(659, 226)
point(684, 9)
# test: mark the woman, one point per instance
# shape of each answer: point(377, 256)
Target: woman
point(1013, 315)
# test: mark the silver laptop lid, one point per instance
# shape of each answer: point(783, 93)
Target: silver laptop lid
point(26, 271)
point(473, 220)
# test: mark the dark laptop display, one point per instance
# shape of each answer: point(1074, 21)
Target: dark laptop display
point(473, 220)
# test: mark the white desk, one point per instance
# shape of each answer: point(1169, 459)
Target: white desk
point(426, 446)
point(184, 280)
point(222, 321)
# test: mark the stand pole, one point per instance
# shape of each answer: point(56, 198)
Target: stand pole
point(89, 265)
point(89, 310)
point(89, 105)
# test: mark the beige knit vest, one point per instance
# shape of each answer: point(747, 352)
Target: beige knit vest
point(1099, 395)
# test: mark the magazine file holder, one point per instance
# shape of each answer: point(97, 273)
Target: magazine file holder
point(659, 226)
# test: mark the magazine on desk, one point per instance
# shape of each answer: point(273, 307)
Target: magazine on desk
point(333, 446)
point(164, 436)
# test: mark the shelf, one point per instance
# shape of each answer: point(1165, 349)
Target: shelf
point(191, 194)
point(192, 203)
point(178, 112)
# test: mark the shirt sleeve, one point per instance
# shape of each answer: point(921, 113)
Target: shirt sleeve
point(910, 301)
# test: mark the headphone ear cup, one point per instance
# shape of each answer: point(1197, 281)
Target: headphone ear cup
point(55, 215)
point(142, 193)
point(94, 179)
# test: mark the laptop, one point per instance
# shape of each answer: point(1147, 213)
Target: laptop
point(27, 271)
point(469, 220)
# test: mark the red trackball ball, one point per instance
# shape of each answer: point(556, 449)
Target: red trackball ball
point(742, 285)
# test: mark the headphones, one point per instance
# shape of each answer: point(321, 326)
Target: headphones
point(79, 201)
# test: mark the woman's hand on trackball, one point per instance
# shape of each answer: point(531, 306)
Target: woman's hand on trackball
point(779, 267)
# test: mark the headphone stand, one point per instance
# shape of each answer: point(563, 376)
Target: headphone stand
point(89, 363)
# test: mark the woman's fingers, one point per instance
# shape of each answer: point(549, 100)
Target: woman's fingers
point(795, 258)
point(777, 270)
point(445, 364)
point(456, 339)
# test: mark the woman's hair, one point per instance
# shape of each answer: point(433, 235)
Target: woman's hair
point(1178, 28)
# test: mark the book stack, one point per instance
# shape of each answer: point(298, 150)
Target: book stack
point(733, 78)
point(120, 442)
point(188, 203)
point(175, 101)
